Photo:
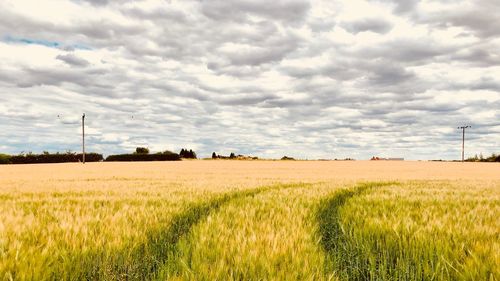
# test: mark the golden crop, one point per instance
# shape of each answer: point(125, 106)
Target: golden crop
point(249, 220)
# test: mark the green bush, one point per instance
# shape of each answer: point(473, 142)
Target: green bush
point(4, 159)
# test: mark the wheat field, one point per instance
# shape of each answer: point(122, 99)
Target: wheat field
point(250, 220)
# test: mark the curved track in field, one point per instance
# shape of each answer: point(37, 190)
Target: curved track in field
point(332, 234)
point(269, 236)
point(159, 251)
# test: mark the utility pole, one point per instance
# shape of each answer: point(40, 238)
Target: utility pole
point(463, 140)
point(83, 138)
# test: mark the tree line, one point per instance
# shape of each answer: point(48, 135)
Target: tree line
point(233, 156)
point(140, 154)
point(493, 158)
point(45, 157)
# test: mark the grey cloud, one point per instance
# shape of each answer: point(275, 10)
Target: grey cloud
point(402, 6)
point(97, 33)
point(240, 71)
point(339, 69)
point(95, 2)
point(275, 49)
point(429, 105)
point(407, 51)
point(377, 74)
point(32, 77)
point(375, 25)
point(343, 67)
point(167, 13)
point(283, 102)
point(486, 83)
point(287, 11)
point(384, 73)
point(483, 54)
point(251, 33)
point(245, 99)
point(322, 25)
point(229, 90)
point(73, 60)
point(481, 18)
point(259, 56)
point(106, 30)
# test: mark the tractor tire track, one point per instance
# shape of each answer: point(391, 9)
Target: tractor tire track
point(158, 253)
point(333, 236)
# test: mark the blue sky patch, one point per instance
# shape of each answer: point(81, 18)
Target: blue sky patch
point(47, 43)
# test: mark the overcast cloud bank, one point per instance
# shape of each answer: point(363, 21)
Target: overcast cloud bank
point(309, 79)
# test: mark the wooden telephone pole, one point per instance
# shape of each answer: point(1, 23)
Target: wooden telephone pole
point(83, 138)
point(463, 140)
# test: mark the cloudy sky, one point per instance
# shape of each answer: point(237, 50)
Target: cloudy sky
point(308, 79)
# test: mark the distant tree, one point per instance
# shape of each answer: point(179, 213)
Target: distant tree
point(214, 156)
point(473, 159)
point(232, 156)
point(192, 154)
point(142, 150)
point(495, 158)
point(188, 154)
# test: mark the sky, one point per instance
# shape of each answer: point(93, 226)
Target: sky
point(307, 79)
